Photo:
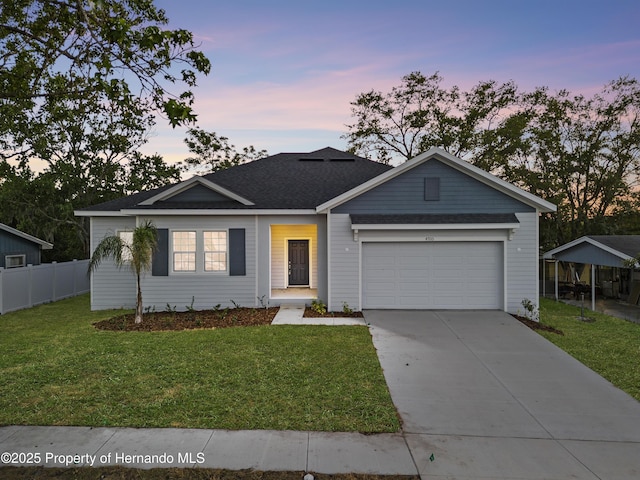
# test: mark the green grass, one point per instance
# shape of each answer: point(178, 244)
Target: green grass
point(56, 369)
point(610, 346)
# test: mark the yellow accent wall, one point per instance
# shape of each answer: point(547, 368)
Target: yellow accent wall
point(280, 234)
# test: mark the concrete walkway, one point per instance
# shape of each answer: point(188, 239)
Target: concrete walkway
point(293, 314)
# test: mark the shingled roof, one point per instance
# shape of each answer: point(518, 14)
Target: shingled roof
point(282, 181)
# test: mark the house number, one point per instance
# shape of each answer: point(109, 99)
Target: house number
point(430, 239)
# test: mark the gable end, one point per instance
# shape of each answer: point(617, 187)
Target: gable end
point(433, 188)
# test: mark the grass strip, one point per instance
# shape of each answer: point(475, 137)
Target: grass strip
point(609, 346)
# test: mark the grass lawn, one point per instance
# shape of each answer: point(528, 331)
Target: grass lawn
point(609, 346)
point(57, 369)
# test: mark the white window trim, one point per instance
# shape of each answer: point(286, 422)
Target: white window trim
point(286, 260)
point(200, 252)
point(226, 252)
point(173, 253)
point(22, 256)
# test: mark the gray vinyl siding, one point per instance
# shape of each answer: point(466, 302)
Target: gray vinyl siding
point(345, 264)
point(459, 193)
point(522, 263)
point(12, 245)
point(111, 287)
point(115, 288)
point(206, 289)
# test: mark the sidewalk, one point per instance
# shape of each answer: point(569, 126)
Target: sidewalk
point(319, 452)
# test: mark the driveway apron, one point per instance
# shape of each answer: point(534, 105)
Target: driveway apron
point(483, 396)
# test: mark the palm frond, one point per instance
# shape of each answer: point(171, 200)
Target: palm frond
point(109, 247)
point(145, 241)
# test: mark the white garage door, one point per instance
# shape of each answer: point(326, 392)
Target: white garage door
point(438, 275)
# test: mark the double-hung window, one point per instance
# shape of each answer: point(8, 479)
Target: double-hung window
point(215, 251)
point(184, 251)
point(200, 251)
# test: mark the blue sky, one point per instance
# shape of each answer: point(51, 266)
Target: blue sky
point(284, 72)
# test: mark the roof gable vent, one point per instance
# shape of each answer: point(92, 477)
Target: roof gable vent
point(342, 160)
point(311, 159)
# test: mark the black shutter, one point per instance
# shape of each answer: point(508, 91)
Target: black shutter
point(237, 255)
point(160, 262)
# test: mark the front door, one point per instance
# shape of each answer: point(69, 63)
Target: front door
point(298, 262)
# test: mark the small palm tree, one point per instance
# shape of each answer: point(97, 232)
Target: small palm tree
point(137, 255)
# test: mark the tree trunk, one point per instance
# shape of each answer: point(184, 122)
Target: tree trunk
point(139, 301)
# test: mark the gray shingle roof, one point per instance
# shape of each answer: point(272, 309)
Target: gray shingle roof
point(282, 181)
point(627, 244)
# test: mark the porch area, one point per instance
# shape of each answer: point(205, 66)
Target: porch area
point(294, 262)
point(294, 293)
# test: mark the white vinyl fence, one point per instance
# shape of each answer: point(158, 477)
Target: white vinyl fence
point(32, 285)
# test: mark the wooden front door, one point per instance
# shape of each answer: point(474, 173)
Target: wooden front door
point(298, 262)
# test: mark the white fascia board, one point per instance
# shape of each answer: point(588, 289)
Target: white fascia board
point(453, 161)
point(26, 236)
point(435, 226)
point(182, 186)
point(99, 213)
point(150, 212)
point(551, 253)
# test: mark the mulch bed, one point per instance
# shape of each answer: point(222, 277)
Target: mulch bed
point(308, 312)
point(160, 321)
point(538, 326)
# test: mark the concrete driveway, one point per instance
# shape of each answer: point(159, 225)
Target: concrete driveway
point(489, 398)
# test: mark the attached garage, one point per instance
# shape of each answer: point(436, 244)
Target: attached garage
point(433, 275)
point(433, 233)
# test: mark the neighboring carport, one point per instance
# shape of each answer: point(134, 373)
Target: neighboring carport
point(608, 257)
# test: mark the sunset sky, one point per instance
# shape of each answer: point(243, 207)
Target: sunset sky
point(284, 72)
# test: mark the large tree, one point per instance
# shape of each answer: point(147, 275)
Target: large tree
point(57, 52)
point(212, 152)
point(81, 83)
point(421, 113)
point(586, 151)
point(579, 152)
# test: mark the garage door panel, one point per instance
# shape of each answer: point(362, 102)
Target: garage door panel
point(439, 275)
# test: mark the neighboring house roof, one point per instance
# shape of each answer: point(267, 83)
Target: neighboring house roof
point(608, 250)
point(44, 245)
point(282, 181)
point(453, 161)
